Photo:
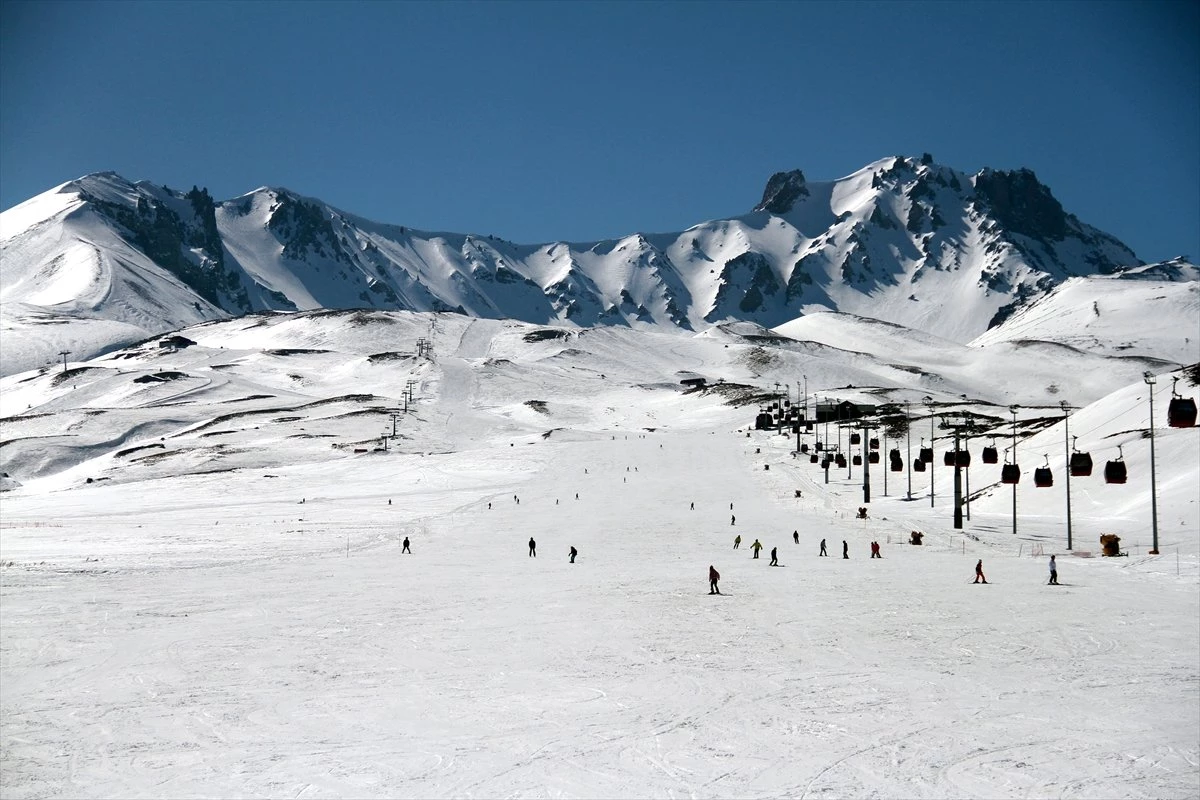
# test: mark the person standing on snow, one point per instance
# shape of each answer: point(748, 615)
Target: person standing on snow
point(979, 572)
point(796, 537)
point(756, 547)
point(713, 577)
point(574, 553)
point(875, 550)
point(1053, 572)
point(732, 519)
point(823, 553)
point(405, 548)
point(774, 557)
point(737, 541)
point(845, 549)
point(532, 548)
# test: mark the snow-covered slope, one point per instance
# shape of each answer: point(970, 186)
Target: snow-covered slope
point(204, 591)
point(902, 240)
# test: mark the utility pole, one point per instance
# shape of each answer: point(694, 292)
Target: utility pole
point(1013, 408)
point(908, 434)
point(959, 424)
point(866, 433)
point(1067, 447)
point(929, 403)
point(1153, 488)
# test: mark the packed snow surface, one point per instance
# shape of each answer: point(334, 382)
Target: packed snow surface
point(225, 608)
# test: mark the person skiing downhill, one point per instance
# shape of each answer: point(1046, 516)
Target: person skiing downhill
point(823, 553)
point(573, 553)
point(1053, 572)
point(756, 547)
point(532, 548)
point(737, 541)
point(713, 577)
point(979, 578)
point(774, 557)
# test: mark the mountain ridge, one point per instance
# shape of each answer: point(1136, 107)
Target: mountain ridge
point(903, 240)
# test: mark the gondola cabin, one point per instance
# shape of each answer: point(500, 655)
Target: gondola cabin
point(927, 455)
point(1081, 464)
point(874, 444)
point(814, 458)
point(897, 465)
point(840, 460)
point(1010, 473)
point(990, 455)
point(804, 448)
point(1182, 412)
point(857, 460)
point(873, 457)
point(962, 458)
point(855, 438)
point(1114, 472)
point(1043, 477)
point(918, 465)
point(948, 458)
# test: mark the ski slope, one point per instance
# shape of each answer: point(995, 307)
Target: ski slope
point(226, 612)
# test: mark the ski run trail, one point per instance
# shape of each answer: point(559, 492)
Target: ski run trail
point(213, 636)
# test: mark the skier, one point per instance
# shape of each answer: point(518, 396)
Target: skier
point(756, 547)
point(823, 548)
point(774, 557)
point(693, 508)
point(532, 548)
point(875, 550)
point(845, 549)
point(732, 519)
point(1053, 572)
point(979, 572)
point(713, 577)
point(737, 541)
point(574, 553)
point(796, 537)
point(405, 548)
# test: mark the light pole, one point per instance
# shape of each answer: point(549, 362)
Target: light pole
point(1013, 408)
point(1067, 447)
point(1153, 488)
point(867, 464)
point(929, 403)
point(908, 433)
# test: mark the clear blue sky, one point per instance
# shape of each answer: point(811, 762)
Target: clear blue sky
point(580, 121)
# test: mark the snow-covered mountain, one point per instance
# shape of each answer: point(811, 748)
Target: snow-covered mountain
point(101, 262)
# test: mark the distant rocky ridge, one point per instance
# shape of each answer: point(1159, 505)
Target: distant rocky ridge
point(903, 240)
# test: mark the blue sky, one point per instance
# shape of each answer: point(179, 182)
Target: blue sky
point(583, 121)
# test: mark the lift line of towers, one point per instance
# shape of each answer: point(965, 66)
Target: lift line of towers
point(781, 415)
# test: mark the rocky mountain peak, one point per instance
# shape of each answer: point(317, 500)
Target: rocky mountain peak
point(1022, 203)
point(782, 192)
